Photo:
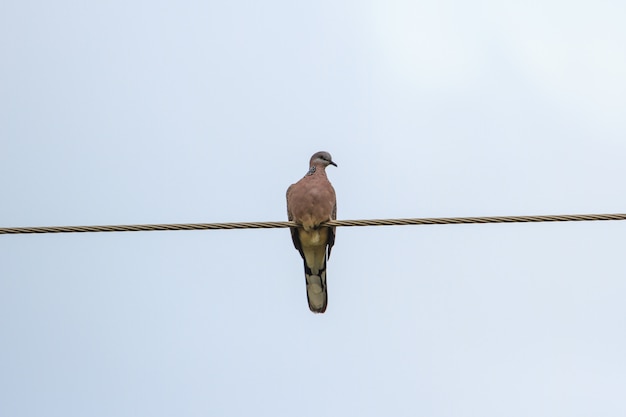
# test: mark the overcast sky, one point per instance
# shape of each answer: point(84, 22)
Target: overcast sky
point(125, 112)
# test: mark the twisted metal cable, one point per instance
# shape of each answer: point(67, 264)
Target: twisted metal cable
point(274, 225)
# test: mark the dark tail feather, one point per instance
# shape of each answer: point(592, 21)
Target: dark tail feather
point(316, 293)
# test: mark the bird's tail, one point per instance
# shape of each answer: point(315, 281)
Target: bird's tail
point(316, 293)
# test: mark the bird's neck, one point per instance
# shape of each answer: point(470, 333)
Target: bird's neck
point(317, 170)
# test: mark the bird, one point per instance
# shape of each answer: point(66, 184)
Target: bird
point(311, 202)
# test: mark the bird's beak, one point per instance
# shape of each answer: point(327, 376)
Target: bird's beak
point(332, 163)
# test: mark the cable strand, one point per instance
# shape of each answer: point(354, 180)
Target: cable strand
point(337, 223)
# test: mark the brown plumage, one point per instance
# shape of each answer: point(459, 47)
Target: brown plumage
point(310, 202)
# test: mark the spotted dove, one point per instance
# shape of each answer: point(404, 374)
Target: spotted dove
point(310, 202)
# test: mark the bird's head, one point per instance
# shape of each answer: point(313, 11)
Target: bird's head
point(321, 158)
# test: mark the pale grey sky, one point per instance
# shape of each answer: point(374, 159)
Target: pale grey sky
point(127, 112)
